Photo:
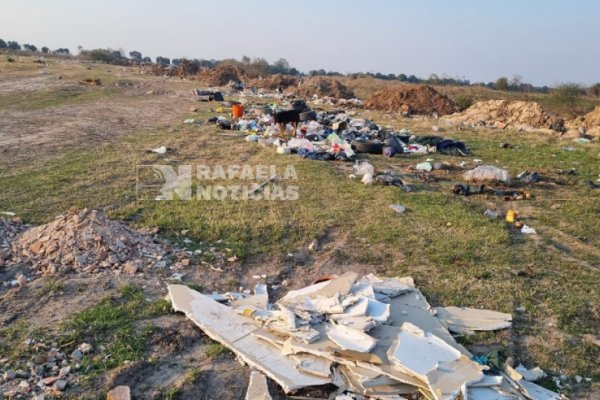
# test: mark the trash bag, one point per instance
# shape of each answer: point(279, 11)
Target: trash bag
point(451, 147)
point(487, 173)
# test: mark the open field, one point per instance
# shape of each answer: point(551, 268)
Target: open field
point(66, 145)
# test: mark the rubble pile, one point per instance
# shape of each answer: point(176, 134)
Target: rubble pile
point(369, 337)
point(411, 100)
point(277, 82)
point(322, 87)
point(9, 230)
point(505, 114)
point(87, 241)
point(222, 75)
point(588, 124)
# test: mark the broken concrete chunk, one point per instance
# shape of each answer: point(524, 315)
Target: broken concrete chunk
point(257, 387)
point(390, 287)
point(313, 365)
point(469, 320)
point(531, 375)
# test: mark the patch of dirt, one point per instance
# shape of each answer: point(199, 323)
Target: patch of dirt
point(588, 124)
point(27, 135)
point(221, 75)
point(322, 87)
point(277, 82)
point(505, 114)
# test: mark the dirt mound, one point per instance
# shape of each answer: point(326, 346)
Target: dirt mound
point(322, 87)
point(503, 114)
point(221, 75)
point(86, 241)
point(419, 100)
point(274, 82)
point(589, 124)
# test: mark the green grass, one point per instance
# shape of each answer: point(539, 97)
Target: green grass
point(214, 350)
point(113, 323)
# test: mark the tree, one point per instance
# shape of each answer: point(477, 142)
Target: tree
point(594, 90)
point(45, 50)
point(63, 51)
point(567, 96)
point(176, 61)
point(402, 77)
point(502, 83)
point(147, 60)
point(29, 47)
point(246, 60)
point(13, 45)
point(413, 79)
point(135, 55)
point(3, 44)
point(164, 61)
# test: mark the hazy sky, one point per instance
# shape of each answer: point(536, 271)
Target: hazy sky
point(544, 41)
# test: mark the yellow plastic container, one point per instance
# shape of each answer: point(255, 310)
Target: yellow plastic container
point(511, 216)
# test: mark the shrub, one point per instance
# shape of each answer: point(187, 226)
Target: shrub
point(463, 101)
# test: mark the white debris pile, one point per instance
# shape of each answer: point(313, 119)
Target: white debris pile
point(86, 240)
point(370, 337)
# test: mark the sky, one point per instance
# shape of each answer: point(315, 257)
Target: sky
point(546, 42)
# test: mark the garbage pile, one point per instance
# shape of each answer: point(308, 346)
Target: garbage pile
point(411, 100)
point(336, 135)
point(588, 124)
point(87, 241)
point(505, 114)
point(222, 75)
point(322, 87)
point(369, 337)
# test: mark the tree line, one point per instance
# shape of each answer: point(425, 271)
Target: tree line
point(257, 67)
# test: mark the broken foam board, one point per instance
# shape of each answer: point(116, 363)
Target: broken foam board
point(223, 324)
point(257, 387)
point(469, 320)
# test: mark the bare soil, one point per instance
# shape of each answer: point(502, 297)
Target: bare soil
point(419, 100)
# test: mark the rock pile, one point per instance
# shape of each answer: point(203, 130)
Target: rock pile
point(505, 114)
point(407, 99)
point(9, 229)
point(87, 241)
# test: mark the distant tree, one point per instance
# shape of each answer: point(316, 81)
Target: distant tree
point(3, 44)
point(45, 50)
point(413, 79)
point(79, 48)
point(29, 47)
point(147, 60)
point(246, 60)
point(567, 97)
point(293, 71)
point(502, 83)
point(176, 62)
point(434, 79)
point(13, 45)
point(516, 82)
point(164, 61)
point(63, 51)
point(402, 77)
point(135, 55)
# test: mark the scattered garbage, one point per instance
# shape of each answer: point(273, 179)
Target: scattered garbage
point(367, 335)
point(91, 82)
point(529, 177)
point(487, 173)
point(425, 166)
point(527, 230)
point(491, 214)
point(398, 208)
